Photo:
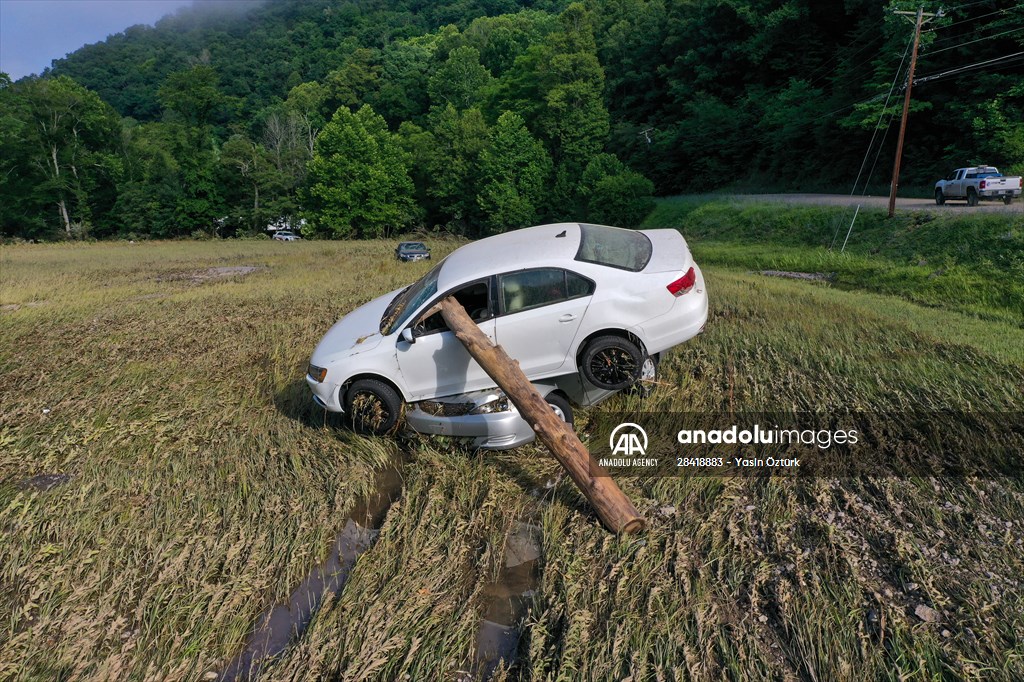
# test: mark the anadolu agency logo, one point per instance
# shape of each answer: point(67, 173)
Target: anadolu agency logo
point(629, 440)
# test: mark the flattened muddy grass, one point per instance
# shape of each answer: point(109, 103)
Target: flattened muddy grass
point(202, 487)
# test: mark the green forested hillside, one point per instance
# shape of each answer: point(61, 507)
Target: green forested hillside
point(366, 118)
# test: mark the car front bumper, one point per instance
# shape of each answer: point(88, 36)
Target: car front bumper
point(494, 431)
point(325, 395)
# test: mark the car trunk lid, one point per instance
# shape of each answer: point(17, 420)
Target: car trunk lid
point(670, 252)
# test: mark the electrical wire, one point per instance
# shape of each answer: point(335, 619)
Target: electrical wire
point(885, 106)
point(1016, 56)
point(964, 21)
point(966, 4)
point(978, 40)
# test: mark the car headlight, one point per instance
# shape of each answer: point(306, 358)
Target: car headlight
point(492, 406)
point(317, 373)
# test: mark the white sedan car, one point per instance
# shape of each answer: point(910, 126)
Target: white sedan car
point(585, 309)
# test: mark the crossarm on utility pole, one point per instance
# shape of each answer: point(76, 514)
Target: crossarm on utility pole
point(613, 507)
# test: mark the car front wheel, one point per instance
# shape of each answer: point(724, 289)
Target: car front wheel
point(560, 406)
point(940, 198)
point(373, 407)
point(611, 362)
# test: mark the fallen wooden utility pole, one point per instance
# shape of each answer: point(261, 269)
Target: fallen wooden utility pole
point(613, 507)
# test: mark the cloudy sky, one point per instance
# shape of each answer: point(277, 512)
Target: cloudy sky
point(35, 32)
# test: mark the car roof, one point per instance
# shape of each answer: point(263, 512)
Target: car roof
point(529, 247)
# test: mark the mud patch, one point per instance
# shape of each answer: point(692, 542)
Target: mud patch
point(283, 623)
point(806, 276)
point(44, 482)
point(12, 307)
point(209, 274)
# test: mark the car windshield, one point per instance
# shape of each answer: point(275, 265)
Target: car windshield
point(412, 246)
point(614, 247)
point(409, 300)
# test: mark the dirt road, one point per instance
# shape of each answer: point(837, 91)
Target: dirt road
point(1015, 208)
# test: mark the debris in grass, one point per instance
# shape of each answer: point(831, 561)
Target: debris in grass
point(44, 482)
point(927, 614)
point(808, 276)
point(200, 276)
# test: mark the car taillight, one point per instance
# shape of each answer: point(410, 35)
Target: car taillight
point(981, 185)
point(683, 284)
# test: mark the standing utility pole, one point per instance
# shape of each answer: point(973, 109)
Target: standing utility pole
point(906, 108)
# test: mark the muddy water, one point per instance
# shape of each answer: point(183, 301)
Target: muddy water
point(508, 602)
point(283, 623)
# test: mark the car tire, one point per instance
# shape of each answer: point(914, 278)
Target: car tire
point(373, 407)
point(648, 378)
point(972, 197)
point(1007, 200)
point(611, 362)
point(561, 406)
point(940, 198)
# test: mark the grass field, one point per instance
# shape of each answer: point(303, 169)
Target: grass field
point(198, 486)
point(968, 263)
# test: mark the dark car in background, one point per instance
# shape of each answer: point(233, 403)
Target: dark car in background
point(409, 251)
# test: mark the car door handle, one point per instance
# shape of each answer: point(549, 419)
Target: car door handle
point(568, 317)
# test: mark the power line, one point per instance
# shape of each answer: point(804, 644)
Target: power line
point(885, 106)
point(951, 72)
point(964, 21)
point(978, 40)
point(966, 4)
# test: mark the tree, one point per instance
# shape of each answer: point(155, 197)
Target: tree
point(574, 118)
point(306, 100)
point(151, 187)
point(359, 183)
point(514, 170)
point(192, 97)
point(358, 76)
point(461, 80)
point(453, 167)
point(615, 194)
point(65, 134)
point(254, 164)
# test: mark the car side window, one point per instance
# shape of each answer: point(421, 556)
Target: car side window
point(532, 289)
point(535, 288)
point(475, 298)
point(577, 286)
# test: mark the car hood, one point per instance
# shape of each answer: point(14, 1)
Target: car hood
point(357, 332)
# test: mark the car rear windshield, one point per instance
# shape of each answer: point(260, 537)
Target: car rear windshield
point(614, 247)
point(409, 300)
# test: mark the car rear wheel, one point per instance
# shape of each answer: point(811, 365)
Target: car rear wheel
point(1007, 200)
point(648, 378)
point(373, 407)
point(972, 197)
point(940, 198)
point(560, 406)
point(611, 362)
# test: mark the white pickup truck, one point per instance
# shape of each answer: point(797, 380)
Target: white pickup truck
point(975, 184)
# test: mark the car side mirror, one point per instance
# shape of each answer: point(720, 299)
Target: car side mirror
point(408, 336)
